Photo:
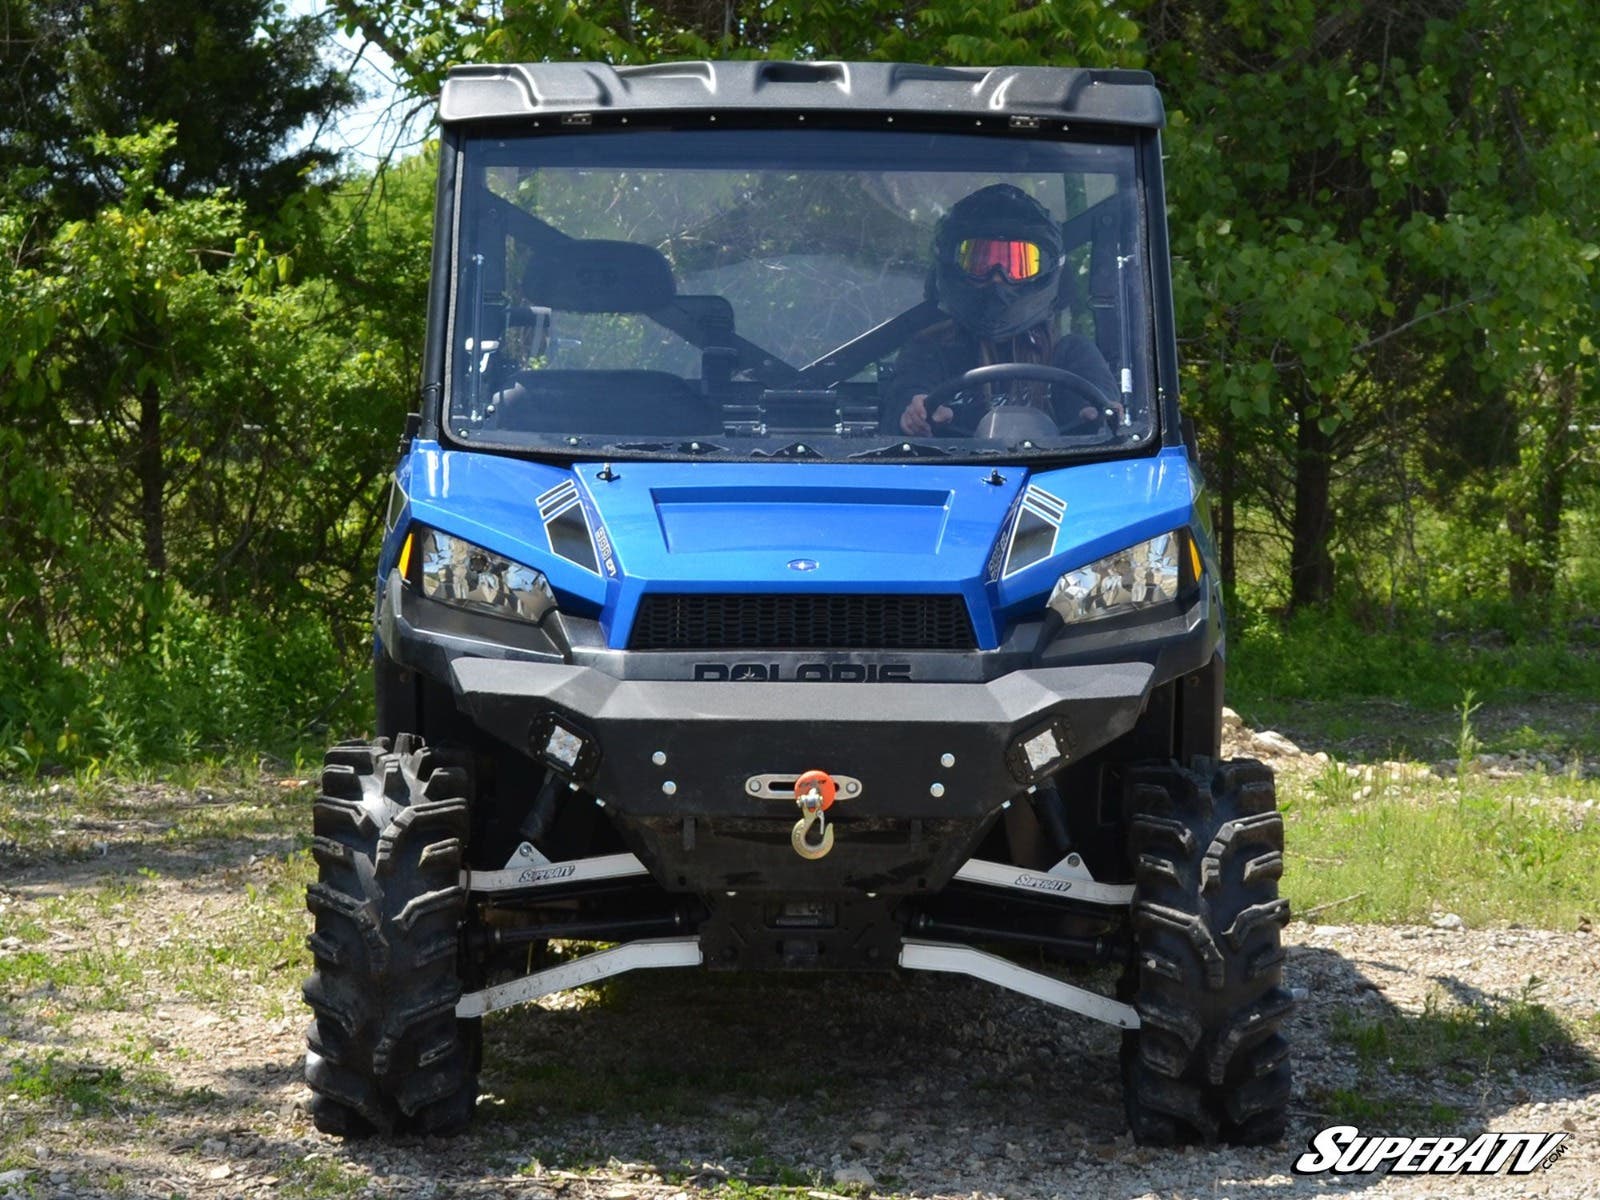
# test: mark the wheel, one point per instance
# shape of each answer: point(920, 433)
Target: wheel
point(386, 1052)
point(1084, 389)
point(1209, 1061)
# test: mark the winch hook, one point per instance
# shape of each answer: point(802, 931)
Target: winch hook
point(813, 792)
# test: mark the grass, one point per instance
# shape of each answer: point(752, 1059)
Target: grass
point(52, 1081)
point(1330, 657)
point(627, 1086)
point(77, 1087)
point(764, 1170)
point(762, 1175)
point(1377, 844)
point(1524, 850)
point(1455, 1044)
point(786, 1182)
point(1561, 730)
point(1454, 1036)
point(182, 809)
point(75, 942)
point(232, 941)
point(1411, 691)
point(317, 1178)
point(1359, 1106)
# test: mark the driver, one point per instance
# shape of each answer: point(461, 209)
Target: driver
point(997, 270)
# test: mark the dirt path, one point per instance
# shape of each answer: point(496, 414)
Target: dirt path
point(151, 1037)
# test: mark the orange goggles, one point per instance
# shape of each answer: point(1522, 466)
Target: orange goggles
point(1017, 261)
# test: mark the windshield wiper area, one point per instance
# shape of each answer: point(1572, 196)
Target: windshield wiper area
point(792, 450)
point(691, 448)
point(907, 450)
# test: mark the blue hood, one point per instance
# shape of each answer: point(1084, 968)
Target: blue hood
point(766, 527)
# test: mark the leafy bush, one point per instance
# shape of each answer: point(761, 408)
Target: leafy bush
point(194, 446)
point(211, 682)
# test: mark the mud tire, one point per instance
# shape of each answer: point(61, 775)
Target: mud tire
point(386, 1053)
point(1210, 1062)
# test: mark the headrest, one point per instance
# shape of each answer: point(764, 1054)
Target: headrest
point(594, 276)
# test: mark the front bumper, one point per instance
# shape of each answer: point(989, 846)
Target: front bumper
point(672, 762)
point(691, 818)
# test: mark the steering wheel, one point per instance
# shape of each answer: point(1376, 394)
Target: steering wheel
point(1080, 387)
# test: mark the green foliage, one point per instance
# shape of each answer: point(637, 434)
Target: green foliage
point(235, 78)
point(1400, 846)
point(1384, 254)
point(1329, 656)
point(1467, 742)
point(228, 805)
point(263, 949)
point(425, 39)
point(225, 679)
point(320, 1179)
point(195, 445)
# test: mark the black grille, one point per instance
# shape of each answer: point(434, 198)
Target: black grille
point(802, 622)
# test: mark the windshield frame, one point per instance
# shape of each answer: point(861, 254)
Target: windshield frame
point(1155, 350)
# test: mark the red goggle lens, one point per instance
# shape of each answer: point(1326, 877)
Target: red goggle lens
point(1016, 260)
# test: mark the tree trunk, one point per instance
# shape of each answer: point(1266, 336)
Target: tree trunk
point(152, 482)
point(1310, 562)
point(1227, 488)
point(1534, 519)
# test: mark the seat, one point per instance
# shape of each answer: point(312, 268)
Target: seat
point(605, 403)
point(593, 276)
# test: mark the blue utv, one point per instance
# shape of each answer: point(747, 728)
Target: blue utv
point(798, 561)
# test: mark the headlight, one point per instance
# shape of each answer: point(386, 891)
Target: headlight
point(1138, 577)
point(458, 573)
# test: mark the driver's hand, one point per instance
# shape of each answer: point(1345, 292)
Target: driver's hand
point(914, 420)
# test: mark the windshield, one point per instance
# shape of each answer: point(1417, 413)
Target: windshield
point(830, 294)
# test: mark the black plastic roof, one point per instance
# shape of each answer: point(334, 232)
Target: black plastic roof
point(1067, 94)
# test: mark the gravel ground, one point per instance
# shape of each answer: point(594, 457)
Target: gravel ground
point(688, 1084)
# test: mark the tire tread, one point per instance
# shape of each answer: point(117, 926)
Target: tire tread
point(1209, 1062)
point(386, 1053)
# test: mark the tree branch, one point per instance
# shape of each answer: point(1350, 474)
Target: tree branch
point(1427, 316)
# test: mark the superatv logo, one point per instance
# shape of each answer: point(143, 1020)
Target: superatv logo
point(805, 672)
point(547, 874)
point(1343, 1150)
point(1043, 883)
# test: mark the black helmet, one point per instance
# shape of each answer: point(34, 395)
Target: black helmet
point(998, 258)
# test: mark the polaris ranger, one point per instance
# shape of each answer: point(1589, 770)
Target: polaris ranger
point(798, 562)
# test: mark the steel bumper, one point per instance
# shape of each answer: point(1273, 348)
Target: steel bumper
point(670, 748)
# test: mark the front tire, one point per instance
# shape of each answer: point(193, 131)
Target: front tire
point(386, 1052)
point(1209, 1062)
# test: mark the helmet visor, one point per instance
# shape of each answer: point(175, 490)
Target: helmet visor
point(1017, 260)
